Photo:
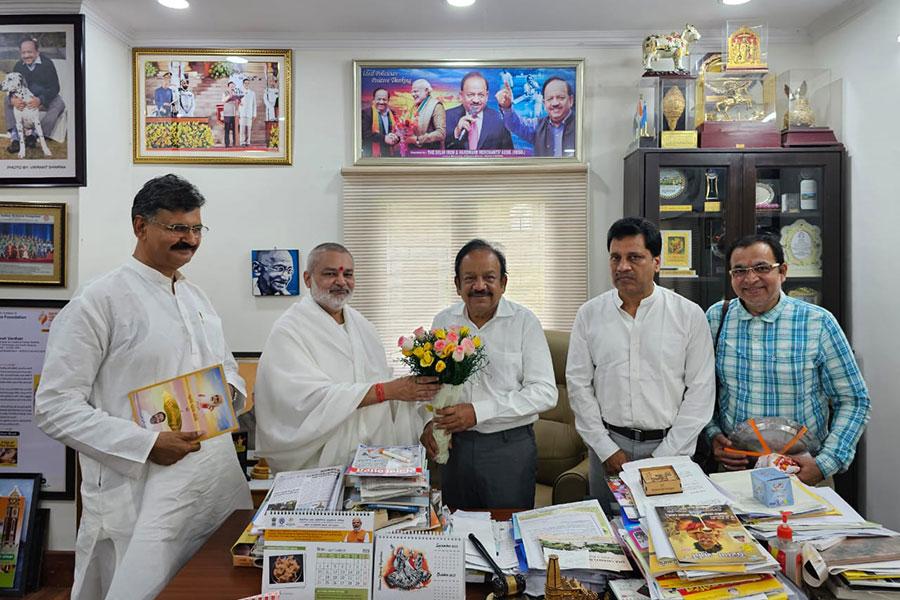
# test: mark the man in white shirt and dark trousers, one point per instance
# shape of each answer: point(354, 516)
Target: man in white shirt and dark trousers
point(493, 456)
point(640, 368)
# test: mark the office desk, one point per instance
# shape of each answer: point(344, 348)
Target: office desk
point(209, 574)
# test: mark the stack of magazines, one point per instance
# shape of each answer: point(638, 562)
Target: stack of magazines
point(393, 482)
point(310, 489)
point(691, 544)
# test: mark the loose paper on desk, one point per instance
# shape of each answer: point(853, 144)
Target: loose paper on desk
point(490, 534)
point(738, 486)
point(576, 519)
point(311, 489)
point(585, 552)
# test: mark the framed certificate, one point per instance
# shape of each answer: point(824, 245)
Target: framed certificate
point(676, 251)
point(802, 243)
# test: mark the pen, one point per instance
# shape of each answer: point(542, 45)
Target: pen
point(395, 456)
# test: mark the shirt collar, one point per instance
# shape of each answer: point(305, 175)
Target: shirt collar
point(646, 302)
point(152, 275)
point(770, 316)
point(504, 309)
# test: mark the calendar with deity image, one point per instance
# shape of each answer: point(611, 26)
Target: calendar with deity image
point(310, 555)
point(419, 566)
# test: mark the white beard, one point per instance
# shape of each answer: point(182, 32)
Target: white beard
point(326, 299)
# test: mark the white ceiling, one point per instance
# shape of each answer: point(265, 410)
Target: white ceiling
point(321, 19)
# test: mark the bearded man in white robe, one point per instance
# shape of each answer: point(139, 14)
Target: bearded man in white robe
point(323, 383)
point(150, 499)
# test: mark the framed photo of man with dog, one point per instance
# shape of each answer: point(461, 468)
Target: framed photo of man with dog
point(211, 106)
point(42, 122)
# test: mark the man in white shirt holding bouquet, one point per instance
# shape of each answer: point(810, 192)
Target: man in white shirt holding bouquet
point(640, 371)
point(493, 456)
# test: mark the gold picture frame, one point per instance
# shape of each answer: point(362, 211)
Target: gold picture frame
point(515, 135)
point(676, 258)
point(212, 106)
point(802, 242)
point(33, 243)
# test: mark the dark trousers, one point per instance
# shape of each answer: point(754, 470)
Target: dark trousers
point(229, 126)
point(491, 470)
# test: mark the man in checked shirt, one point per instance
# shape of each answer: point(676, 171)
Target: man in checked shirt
point(777, 356)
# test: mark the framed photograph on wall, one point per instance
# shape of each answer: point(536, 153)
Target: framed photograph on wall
point(19, 494)
point(32, 243)
point(212, 106)
point(429, 112)
point(42, 137)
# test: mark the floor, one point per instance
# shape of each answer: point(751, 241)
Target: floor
point(49, 593)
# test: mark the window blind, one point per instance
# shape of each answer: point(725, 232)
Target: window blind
point(404, 227)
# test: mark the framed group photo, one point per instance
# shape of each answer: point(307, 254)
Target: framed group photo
point(42, 136)
point(32, 243)
point(212, 106)
point(467, 111)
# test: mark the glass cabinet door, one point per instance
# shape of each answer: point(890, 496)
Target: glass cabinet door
point(796, 201)
point(695, 206)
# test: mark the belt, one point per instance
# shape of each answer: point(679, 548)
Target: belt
point(638, 435)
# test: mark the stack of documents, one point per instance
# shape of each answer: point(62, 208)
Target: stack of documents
point(857, 567)
point(393, 482)
point(495, 536)
point(310, 489)
point(579, 534)
point(691, 544)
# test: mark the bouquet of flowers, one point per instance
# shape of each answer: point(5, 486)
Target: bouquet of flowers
point(406, 128)
point(452, 355)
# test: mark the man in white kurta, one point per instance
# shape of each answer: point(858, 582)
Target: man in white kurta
point(322, 385)
point(246, 114)
point(493, 458)
point(640, 370)
point(149, 499)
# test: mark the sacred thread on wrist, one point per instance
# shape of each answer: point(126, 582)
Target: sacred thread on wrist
point(379, 392)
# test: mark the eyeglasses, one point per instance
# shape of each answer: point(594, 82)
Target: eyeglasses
point(280, 269)
point(180, 229)
point(476, 96)
point(760, 270)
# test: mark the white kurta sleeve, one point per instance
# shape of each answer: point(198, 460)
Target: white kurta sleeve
point(297, 402)
point(77, 346)
point(700, 391)
point(582, 396)
point(538, 391)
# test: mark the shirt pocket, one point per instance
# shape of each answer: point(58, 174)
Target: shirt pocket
point(505, 370)
point(793, 372)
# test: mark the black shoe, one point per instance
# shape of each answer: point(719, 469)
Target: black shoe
point(30, 141)
point(13, 148)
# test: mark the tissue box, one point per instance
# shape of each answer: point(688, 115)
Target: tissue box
point(772, 487)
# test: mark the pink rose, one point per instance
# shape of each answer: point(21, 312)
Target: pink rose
point(459, 354)
point(452, 336)
point(468, 346)
point(419, 333)
point(407, 343)
point(439, 346)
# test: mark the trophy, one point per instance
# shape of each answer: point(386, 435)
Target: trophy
point(804, 108)
point(712, 185)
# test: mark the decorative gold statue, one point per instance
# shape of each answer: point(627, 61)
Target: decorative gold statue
point(744, 50)
point(564, 588)
point(799, 113)
point(673, 107)
point(674, 45)
point(734, 93)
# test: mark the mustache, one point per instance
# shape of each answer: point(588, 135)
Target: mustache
point(479, 294)
point(183, 246)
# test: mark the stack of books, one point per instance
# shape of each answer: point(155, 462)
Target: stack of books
point(393, 483)
point(691, 544)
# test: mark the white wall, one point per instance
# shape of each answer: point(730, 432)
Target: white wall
point(865, 55)
point(298, 206)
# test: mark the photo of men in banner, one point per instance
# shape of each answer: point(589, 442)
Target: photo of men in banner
point(484, 112)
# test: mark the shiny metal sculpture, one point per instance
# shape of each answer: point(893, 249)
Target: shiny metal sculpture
point(800, 113)
point(674, 45)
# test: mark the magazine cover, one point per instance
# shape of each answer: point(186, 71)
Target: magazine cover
point(198, 401)
point(388, 461)
point(708, 535)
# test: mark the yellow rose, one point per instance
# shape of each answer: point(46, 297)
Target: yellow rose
point(440, 366)
point(477, 341)
point(426, 360)
point(419, 351)
point(406, 352)
point(448, 349)
point(427, 346)
point(440, 333)
point(464, 330)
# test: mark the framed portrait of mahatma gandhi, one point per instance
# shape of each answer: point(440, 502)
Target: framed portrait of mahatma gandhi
point(42, 137)
point(275, 272)
point(212, 106)
point(435, 112)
